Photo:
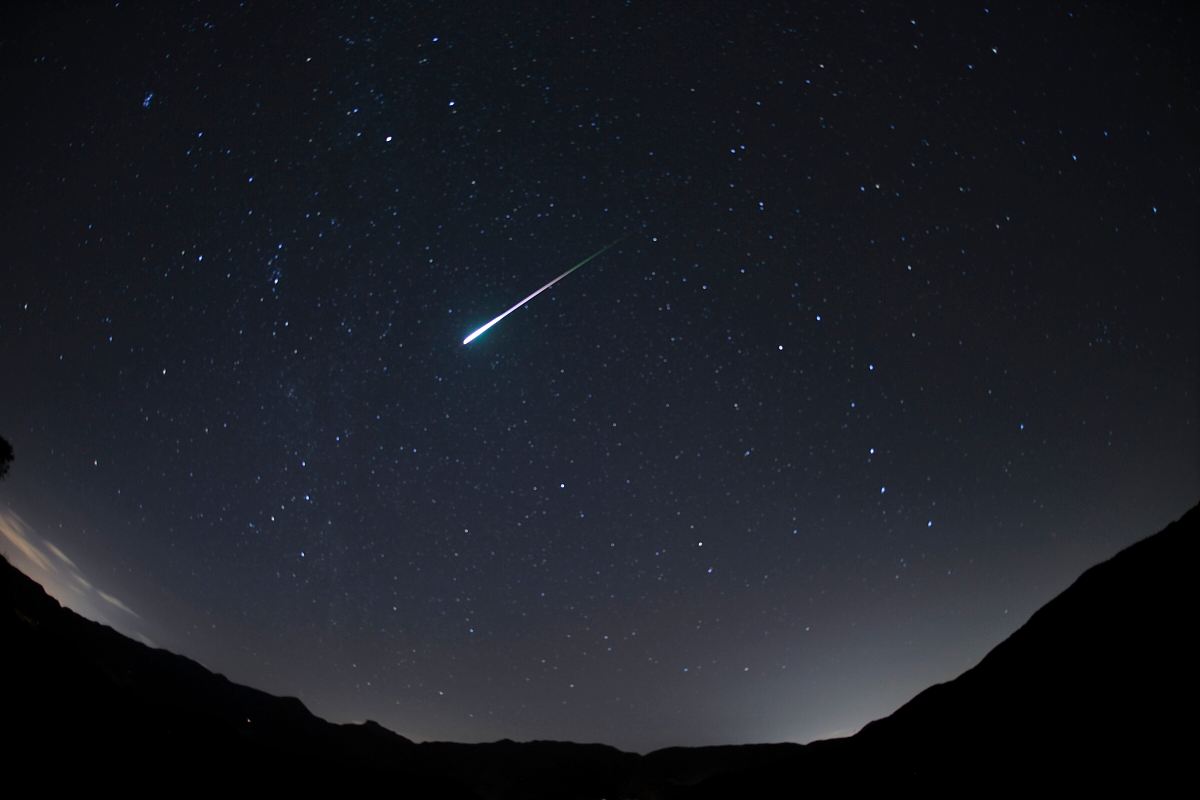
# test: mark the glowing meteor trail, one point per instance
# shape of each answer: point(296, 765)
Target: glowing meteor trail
point(484, 329)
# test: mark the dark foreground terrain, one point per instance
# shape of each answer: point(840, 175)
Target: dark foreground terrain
point(1095, 691)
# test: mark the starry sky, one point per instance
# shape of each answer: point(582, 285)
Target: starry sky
point(900, 337)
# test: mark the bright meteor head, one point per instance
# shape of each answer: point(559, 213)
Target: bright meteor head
point(480, 331)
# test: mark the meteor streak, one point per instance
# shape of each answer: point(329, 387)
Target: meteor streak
point(484, 329)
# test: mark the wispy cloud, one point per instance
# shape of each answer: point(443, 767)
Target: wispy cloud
point(108, 598)
point(14, 529)
point(60, 554)
point(62, 579)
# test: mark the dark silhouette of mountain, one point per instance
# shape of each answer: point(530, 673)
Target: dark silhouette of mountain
point(79, 694)
point(1094, 691)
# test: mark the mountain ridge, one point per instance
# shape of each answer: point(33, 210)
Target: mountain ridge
point(1101, 659)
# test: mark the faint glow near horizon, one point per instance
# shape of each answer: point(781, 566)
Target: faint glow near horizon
point(46, 564)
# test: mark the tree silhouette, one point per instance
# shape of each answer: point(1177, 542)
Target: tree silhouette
point(6, 456)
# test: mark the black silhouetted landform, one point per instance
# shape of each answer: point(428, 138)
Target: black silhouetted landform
point(1094, 691)
point(6, 456)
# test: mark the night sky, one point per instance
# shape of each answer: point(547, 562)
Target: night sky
point(901, 336)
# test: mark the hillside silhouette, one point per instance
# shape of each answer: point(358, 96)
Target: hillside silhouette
point(1094, 691)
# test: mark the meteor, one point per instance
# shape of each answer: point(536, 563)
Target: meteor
point(485, 328)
